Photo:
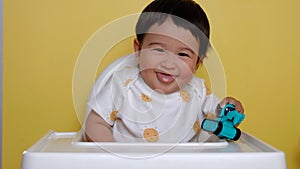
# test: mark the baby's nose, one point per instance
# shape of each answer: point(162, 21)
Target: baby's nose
point(169, 62)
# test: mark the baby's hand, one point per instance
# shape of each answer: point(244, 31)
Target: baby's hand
point(231, 100)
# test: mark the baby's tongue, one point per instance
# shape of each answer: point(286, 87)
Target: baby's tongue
point(165, 78)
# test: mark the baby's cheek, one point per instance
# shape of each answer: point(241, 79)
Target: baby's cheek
point(146, 61)
point(182, 82)
point(186, 75)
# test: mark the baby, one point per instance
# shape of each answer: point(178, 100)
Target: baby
point(160, 99)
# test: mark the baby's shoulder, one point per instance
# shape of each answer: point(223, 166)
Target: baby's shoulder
point(198, 85)
point(197, 82)
point(126, 74)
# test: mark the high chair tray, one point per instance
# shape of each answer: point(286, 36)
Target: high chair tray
point(64, 150)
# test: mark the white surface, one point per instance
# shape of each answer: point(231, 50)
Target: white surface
point(65, 151)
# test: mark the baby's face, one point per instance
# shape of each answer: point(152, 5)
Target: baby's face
point(167, 57)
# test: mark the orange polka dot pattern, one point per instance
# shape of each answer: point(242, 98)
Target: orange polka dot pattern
point(185, 95)
point(151, 135)
point(113, 115)
point(196, 127)
point(146, 98)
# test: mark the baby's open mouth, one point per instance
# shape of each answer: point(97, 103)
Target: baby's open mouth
point(165, 77)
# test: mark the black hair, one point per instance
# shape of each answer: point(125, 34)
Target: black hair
point(184, 13)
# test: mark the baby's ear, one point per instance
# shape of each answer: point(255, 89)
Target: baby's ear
point(199, 61)
point(201, 58)
point(136, 45)
point(137, 48)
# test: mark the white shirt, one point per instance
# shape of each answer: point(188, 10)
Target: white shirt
point(139, 114)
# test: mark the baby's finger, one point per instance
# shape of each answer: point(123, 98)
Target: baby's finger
point(231, 100)
point(227, 100)
point(239, 107)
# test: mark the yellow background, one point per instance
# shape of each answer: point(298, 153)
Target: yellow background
point(256, 40)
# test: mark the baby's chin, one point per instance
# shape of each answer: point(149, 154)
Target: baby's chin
point(166, 90)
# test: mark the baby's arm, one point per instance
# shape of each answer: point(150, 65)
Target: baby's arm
point(97, 129)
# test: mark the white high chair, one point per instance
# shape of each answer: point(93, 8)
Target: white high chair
point(65, 150)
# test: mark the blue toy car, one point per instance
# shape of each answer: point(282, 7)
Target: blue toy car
point(224, 126)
